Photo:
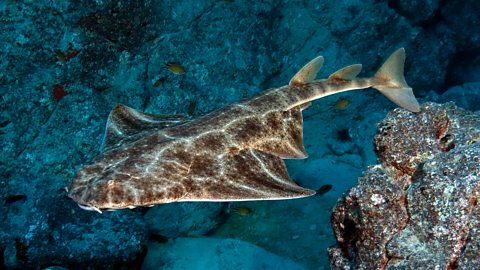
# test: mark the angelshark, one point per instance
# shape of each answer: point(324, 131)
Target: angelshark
point(231, 154)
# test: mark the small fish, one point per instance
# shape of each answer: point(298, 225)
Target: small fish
point(324, 189)
point(58, 92)
point(72, 53)
point(192, 105)
point(158, 83)
point(102, 89)
point(242, 210)
point(60, 56)
point(342, 103)
point(67, 55)
point(175, 68)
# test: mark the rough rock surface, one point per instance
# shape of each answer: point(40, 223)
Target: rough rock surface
point(443, 214)
point(466, 96)
point(184, 219)
point(49, 229)
point(465, 36)
point(405, 140)
point(418, 208)
point(417, 11)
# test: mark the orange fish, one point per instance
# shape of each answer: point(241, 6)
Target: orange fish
point(175, 68)
point(242, 210)
point(342, 103)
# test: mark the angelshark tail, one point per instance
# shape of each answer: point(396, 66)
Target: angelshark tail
point(390, 81)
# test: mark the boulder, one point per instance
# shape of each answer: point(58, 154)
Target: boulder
point(418, 208)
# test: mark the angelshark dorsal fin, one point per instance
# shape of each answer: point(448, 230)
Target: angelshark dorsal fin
point(347, 73)
point(124, 122)
point(308, 72)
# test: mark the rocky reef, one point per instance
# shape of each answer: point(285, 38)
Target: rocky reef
point(417, 209)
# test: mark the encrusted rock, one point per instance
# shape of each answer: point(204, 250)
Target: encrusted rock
point(441, 203)
point(405, 140)
point(418, 209)
point(369, 216)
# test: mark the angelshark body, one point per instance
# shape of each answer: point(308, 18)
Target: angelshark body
point(231, 154)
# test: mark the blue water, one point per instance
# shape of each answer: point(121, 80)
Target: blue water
point(64, 65)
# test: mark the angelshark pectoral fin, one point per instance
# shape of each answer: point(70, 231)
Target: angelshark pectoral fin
point(123, 122)
point(249, 175)
point(390, 81)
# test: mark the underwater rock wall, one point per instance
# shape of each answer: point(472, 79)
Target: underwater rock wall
point(418, 207)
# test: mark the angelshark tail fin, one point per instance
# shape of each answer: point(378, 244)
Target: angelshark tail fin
point(390, 81)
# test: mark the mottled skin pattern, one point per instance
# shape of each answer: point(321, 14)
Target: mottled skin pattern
point(234, 153)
